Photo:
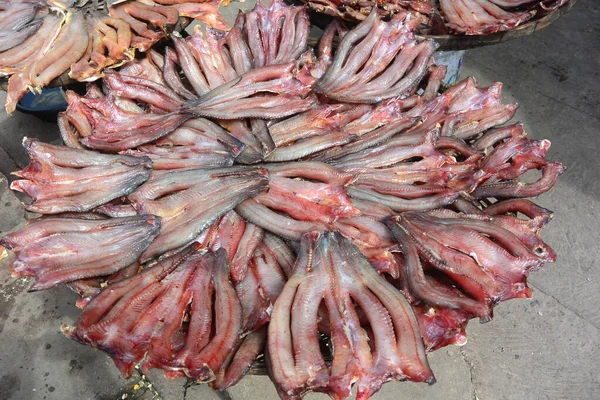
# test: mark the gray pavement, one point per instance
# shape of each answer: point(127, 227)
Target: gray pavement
point(544, 348)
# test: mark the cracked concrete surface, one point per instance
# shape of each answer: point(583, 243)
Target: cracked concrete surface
point(465, 358)
point(544, 348)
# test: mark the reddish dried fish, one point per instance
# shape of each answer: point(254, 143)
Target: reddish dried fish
point(76, 117)
point(159, 16)
point(109, 45)
point(505, 215)
point(197, 143)
point(163, 293)
point(325, 201)
point(240, 360)
point(246, 246)
point(426, 288)
point(268, 92)
point(60, 179)
point(279, 224)
point(203, 11)
point(238, 237)
point(510, 3)
point(464, 111)
point(269, 278)
point(311, 204)
point(141, 89)
point(387, 174)
point(323, 130)
point(114, 128)
point(374, 241)
point(255, 306)
point(31, 49)
point(368, 140)
point(441, 326)
point(317, 121)
point(190, 64)
point(57, 250)
point(207, 65)
point(276, 35)
point(511, 159)
point(68, 47)
point(281, 251)
point(16, 14)
point(189, 201)
point(116, 209)
point(377, 60)
point(335, 30)
point(296, 362)
point(467, 17)
point(171, 74)
point(461, 247)
point(143, 37)
point(550, 174)
point(88, 288)
point(481, 17)
point(10, 38)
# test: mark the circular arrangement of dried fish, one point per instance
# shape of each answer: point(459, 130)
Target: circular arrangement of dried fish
point(243, 194)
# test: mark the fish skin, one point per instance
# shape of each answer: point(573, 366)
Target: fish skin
point(240, 95)
point(56, 187)
point(203, 204)
point(67, 254)
point(164, 279)
point(296, 364)
point(10, 38)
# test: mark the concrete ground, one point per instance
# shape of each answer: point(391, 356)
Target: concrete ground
point(544, 348)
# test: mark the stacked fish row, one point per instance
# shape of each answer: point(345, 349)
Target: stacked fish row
point(39, 41)
point(468, 17)
point(240, 193)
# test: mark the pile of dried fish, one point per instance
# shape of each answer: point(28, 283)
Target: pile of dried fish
point(468, 17)
point(40, 41)
point(240, 192)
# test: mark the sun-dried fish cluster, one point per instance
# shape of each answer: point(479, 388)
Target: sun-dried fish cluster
point(240, 194)
point(468, 17)
point(64, 249)
point(42, 40)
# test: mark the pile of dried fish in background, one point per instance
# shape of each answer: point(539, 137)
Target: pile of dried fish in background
point(440, 17)
point(41, 40)
point(241, 191)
